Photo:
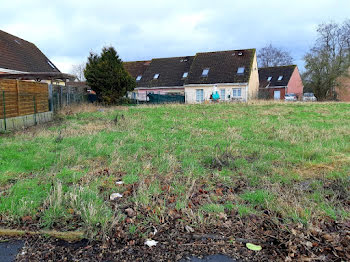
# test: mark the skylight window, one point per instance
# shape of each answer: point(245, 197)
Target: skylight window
point(280, 78)
point(240, 70)
point(17, 41)
point(205, 72)
point(51, 64)
point(156, 76)
point(138, 78)
point(185, 75)
point(269, 78)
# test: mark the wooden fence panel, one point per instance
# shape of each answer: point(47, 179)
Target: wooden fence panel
point(23, 98)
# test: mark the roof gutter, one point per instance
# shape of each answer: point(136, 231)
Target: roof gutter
point(159, 87)
point(218, 84)
point(37, 76)
point(4, 70)
point(276, 87)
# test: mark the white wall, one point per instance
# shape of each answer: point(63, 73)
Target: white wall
point(190, 92)
point(253, 80)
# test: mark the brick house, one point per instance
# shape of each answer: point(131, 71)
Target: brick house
point(277, 81)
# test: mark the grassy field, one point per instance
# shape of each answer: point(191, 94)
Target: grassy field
point(198, 162)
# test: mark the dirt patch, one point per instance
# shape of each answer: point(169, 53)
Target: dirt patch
point(226, 158)
point(327, 241)
point(314, 170)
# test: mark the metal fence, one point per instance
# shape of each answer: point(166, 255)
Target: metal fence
point(61, 96)
point(159, 98)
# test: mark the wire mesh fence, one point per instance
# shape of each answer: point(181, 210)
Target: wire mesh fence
point(61, 96)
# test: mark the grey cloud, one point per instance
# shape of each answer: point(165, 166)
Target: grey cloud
point(68, 30)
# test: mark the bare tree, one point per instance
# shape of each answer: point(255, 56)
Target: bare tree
point(78, 71)
point(272, 56)
point(328, 59)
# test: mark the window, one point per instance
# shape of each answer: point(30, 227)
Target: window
point(51, 64)
point(240, 70)
point(280, 78)
point(138, 78)
point(205, 72)
point(185, 75)
point(156, 76)
point(199, 95)
point(133, 96)
point(222, 94)
point(269, 78)
point(237, 92)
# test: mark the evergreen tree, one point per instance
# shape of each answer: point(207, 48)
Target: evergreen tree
point(106, 75)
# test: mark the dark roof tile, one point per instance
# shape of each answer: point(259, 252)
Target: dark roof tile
point(223, 66)
point(136, 68)
point(170, 72)
point(21, 55)
point(275, 72)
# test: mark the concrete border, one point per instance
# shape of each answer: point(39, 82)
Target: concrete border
point(25, 121)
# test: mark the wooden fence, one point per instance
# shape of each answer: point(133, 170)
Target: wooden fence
point(20, 98)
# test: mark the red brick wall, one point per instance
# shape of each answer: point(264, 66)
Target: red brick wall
point(344, 91)
point(295, 84)
point(283, 92)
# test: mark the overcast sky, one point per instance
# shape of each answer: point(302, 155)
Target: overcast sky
point(67, 30)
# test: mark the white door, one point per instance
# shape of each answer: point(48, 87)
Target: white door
point(222, 94)
point(199, 95)
point(277, 95)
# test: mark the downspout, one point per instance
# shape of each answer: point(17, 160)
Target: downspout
point(246, 93)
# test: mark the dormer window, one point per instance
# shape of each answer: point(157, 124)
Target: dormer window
point(51, 64)
point(156, 76)
point(185, 75)
point(138, 78)
point(205, 72)
point(269, 78)
point(240, 70)
point(280, 78)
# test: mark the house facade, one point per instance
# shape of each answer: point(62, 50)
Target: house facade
point(276, 82)
point(233, 74)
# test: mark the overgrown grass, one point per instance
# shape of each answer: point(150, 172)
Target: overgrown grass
point(196, 161)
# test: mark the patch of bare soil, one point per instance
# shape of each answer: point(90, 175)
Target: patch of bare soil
point(326, 241)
